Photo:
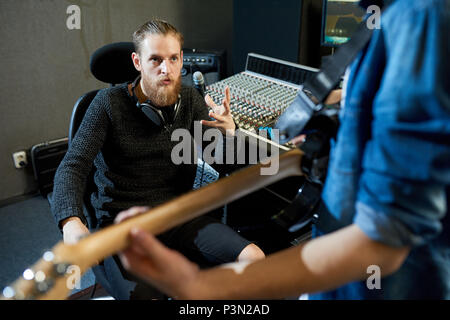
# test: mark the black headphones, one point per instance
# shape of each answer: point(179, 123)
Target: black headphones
point(154, 114)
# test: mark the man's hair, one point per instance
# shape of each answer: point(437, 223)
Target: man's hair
point(155, 26)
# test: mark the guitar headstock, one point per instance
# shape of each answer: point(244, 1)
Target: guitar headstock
point(47, 279)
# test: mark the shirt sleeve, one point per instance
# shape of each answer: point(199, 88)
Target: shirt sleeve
point(71, 175)
point(401, 199)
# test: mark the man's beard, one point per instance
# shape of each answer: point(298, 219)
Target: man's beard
point(159, 94)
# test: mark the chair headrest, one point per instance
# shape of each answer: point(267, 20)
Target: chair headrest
point(112, 63)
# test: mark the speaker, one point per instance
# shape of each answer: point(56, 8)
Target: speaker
point(211, 63)
point(46, 158)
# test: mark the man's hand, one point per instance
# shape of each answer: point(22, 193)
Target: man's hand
point(166, 269)
point(148, 258)
point(298, 140)
point(73, 230)
point(224, 120)
point(127, 214)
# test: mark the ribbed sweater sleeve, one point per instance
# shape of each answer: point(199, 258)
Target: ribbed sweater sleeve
point(71, 175)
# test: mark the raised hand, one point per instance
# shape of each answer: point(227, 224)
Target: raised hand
point(222, 114)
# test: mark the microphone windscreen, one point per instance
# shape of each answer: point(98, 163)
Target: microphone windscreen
point(198, 77)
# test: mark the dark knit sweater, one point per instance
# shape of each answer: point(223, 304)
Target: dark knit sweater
point(132, 157)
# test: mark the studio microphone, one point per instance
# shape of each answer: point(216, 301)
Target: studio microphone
point(199, 82)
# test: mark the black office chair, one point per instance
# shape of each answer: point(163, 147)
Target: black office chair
point(110, 64)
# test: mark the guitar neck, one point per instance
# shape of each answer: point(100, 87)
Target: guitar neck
point(108, 241)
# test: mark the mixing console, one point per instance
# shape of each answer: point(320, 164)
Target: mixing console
point(261, 93)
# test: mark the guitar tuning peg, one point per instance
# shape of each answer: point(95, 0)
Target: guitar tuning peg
point(9, 292)
point(43, 284)
point(61, 268)
point(28, 274)
point(48, 256)
point(39, 276)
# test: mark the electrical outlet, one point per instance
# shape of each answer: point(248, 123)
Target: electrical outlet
point(20, 159)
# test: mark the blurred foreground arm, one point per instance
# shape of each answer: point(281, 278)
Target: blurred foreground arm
point(335, 96)
point(320, 264)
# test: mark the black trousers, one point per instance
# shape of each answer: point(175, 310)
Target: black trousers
point(203, 240)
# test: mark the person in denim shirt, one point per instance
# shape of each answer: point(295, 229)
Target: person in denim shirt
point(386, 189)
point(391, 163)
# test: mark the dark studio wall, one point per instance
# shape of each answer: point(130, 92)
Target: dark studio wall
point(267, 27)
point(311, 52)
point(285, 29)
point(45, 66)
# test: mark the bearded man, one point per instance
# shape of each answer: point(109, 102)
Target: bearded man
point(126, 135)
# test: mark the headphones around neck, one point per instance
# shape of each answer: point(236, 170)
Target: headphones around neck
point(153, 113)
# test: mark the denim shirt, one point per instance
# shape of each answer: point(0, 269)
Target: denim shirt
point(390, 164)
